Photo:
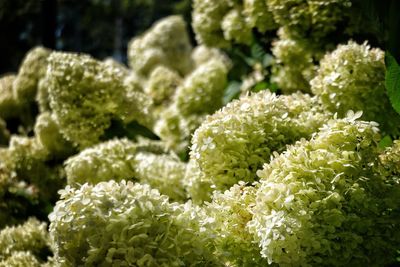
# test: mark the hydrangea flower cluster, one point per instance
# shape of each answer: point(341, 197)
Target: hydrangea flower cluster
point(121, 159)
point(162, 84)
point(228, 215)
point(48, 135)
point(180, 88)
point(218, 23)
point(10, 203)
point(32, 70)
point(18, 91)
point(166, 43)
point(221, 23)
point(163, 172)
point(21, 259)
point(86, 94)
point(155, 171)
point(293, 77)
point(27, 161)
point(352, 77)
point(139, 228)
point(202, 54)
point(24, 243)
point(199, 94)
point(105, 161)
point(311, 19)
point(31, 171)
point(9, 105)
point(323, 202)
point(391, 157)
point(233, 143)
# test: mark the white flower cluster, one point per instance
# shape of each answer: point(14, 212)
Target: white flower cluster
point(315, 200)
point(233, 143)
point(127, 224)
point(352, 77)
point(218, 23)
point(24, 244)
point(155, 171)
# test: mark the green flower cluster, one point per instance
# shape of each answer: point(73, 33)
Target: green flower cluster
point(32, 70)
point(139, 228)
point(205, 84)
point(303, 38)
point(166, 43)
point(163, 172)
point(18, 91)
point(199, 94)
point(311, 19)
point(276, 179)
point(121, 159)
point(324, 202)
point(202, 54)
point(31, 170)
point(86, 94)
point(233, 143)
point(24, 245)
point(220, 23)
point(352, 77)
point(9, 106)
point(21, 259)
point(185, 84)
point(228, 215)
point(26, 157)
point(105, 161)
point(162, 84)
point(390, 159)
point(49, 136)
point(29, 181)
point(288, 76)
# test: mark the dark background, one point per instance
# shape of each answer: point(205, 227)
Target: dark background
point(101, 28)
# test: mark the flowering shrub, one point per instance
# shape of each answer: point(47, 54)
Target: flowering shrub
point(139, 227)
point(157, 164)
point(315, 200)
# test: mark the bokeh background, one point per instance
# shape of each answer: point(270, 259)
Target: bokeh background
point(101, 28)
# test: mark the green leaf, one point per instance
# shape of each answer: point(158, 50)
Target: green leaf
point(264, 85)
point(268, 60)
point(257, 52)
point(385, 142)
point(232, 91)
point(392, 81)
point(250, 61)
point(260, 86)
point(273, 87)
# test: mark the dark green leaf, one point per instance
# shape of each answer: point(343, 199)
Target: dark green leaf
point(385, 142)
point(257, 52)
point(264, 85)
point(273, 87)
point(268, 60)
point(260, 86)
point(250, 61)
point(247, 59)
point(231, 92)
point(392, 81)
